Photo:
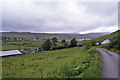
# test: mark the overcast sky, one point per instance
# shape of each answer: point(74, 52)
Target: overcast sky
point(59, 17)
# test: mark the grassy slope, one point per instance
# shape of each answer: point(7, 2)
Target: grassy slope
point(42, 36)
point(112, 35)
point(73, 62)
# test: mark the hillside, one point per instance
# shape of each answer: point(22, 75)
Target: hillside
point(43, 36)
point(72, 62)
point(109, 36)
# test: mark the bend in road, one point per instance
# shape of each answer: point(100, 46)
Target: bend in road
point(110, 64)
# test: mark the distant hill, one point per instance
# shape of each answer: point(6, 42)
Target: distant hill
point(43, 36)
point(109, 36)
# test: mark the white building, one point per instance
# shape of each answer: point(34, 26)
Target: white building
point(80, 39)
point(96, 43)
point(9, 53)
point(106, 41)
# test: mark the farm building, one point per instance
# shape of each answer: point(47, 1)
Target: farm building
point(9, 53)
point(106, 41)
point(59, 40)
point(80, 39)
point(97, 43)
point(79, 42)
point(65, 40)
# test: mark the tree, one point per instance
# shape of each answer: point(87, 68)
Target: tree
point(93, 43)
point(63, 41)
point(4, 38)
point(54, 40)
point(115, 43)
point(8, 38)
point(15, 39)
point(73, 42)
point(47, 45)
point(37, 38)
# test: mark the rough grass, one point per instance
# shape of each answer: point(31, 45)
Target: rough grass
point(112, 35)
point(65, 63)
point(105, 46)
point(14, 47)
point(20, 45)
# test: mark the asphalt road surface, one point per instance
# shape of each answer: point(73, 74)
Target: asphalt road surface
point(111, 62)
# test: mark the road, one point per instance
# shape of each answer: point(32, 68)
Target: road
point(111, 62)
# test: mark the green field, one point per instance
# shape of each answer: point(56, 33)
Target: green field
point(65, 63)
point(20, 45)
point(112, 46)
point(27, 36)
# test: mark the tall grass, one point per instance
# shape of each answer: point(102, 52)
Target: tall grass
point(65, 63)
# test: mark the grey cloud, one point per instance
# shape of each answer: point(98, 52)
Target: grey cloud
point(58, 17)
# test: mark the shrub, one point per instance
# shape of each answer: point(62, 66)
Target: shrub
point(93, 43)
point(73, 43)
point(47, 45)
point(63, 41)
point(54, 40)
point(60, 47)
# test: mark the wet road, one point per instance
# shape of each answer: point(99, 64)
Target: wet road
point(110, 63)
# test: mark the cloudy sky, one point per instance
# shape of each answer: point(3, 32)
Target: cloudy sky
point(59, 17)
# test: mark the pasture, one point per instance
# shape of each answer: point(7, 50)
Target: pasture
point(20, 45)
point(65, 63)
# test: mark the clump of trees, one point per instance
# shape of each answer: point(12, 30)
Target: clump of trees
point(115, 43)
point(47, 45)
point(54, 40)
point(64, 43)
point(93, 43)
point(5, 38)
point(73, 42)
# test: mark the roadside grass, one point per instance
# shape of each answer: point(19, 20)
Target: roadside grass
point(105, 46)
point(65, 63)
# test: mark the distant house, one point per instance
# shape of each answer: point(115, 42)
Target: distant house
point(67, 41)
point(97, 43)
point(59, 40)
point(9, 53)
point(35, 39)
point(37, 48)
point(106, 41)
point(80, 39)
point(79, 42)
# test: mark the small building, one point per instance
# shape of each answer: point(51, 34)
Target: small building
point(9, 53)
point(68, 41)
point(106, 41)
point(80, 39)
point(79, 42)
point(97, 43)
point(65, 40)
point(59, 40)
point(37, 48)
